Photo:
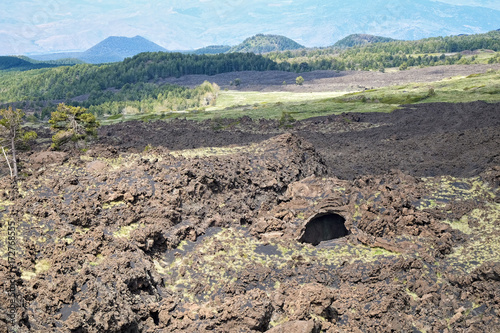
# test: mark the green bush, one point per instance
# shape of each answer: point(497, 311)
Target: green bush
point(286, 120)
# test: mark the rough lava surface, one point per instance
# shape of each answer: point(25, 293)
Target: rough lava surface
point(208, 234)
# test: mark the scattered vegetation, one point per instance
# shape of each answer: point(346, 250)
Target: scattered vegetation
point(482, 228)
point(217, 268)
point(236, 82)
point(124, 232)
point(41, 266)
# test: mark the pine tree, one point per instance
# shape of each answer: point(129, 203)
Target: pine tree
point(12, 134)
point(72, 124)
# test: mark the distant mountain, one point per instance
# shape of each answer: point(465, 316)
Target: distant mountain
point(361, 39)
point(212, 49)
point(266, 43)
point(114, 49)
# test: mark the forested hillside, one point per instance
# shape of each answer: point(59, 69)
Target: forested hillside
point(110, 88)
point(266, 43)
point(425, 52)
point(70, 82)
point(18, 64)
point(361, 39)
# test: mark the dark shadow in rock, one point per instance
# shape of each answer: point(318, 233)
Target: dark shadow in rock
point(324, 227)
point(67, 310)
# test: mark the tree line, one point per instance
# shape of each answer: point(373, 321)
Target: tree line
point(390, 54)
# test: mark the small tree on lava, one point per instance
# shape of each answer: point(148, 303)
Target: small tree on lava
point(11, 134)
point(72, 124)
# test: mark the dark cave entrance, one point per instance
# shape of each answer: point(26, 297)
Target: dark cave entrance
point(324, 227)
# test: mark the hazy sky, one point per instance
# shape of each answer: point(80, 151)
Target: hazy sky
point(44, 26)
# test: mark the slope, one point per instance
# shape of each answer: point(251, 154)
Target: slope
point(266, 43)
point(18, 64)
point(361, 39)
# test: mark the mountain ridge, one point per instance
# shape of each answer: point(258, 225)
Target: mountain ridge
point(262, 43)
point(114, 48)
point(362, 39)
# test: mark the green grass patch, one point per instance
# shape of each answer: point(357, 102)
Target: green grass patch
point(124, 232)
point(298, 111)
point(483, 244)
point(115, 116)
point(231, 98)
point(41, 266)
point(98, 260)
point(460, 89)
point(112, 204)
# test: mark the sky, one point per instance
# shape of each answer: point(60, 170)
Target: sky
point(46, 26)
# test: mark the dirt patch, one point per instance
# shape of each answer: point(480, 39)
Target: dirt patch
point(319, 81)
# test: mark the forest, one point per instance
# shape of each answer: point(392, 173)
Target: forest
point(126, 83)
point(70, 82)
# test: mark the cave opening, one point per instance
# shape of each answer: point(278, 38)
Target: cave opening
point(324, 227)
